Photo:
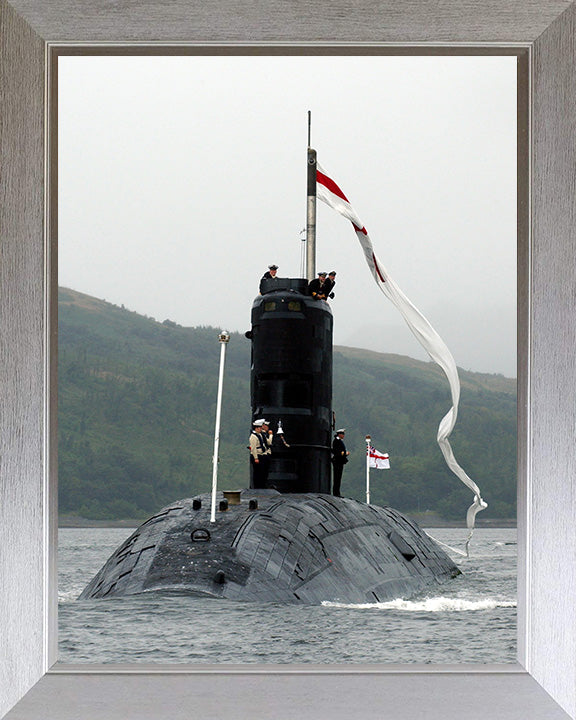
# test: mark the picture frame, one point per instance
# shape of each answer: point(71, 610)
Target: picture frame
point(543, 683)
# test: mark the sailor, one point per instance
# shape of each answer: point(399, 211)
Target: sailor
point(316, 288)
point(258, 448)
point(268, 436)
point(329, 284)
point(269, 275)
point(339, 459)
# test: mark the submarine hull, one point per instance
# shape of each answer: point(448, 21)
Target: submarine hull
point(305, 548)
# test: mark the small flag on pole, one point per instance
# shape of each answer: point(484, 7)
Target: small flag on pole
point(377, 459)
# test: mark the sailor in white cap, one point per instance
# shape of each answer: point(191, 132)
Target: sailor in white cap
point(269, 275)
point(339, 459)
point(259, 454)
point(268, 436)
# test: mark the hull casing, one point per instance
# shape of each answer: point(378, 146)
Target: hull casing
point(305, 548)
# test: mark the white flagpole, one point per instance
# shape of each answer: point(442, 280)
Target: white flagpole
point(223, 338)
point(368, 441)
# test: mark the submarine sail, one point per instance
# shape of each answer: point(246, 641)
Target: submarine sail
point(291, 382)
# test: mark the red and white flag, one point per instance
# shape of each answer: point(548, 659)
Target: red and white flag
point(330, 193)
point(377, 459)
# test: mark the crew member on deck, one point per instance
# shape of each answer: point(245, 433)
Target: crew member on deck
point(258, 448)
point(329, 284)
point(269, 275)
point(339, 459)
point(268, 436)
point(316, 287)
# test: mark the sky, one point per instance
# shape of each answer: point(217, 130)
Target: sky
point(182, 178)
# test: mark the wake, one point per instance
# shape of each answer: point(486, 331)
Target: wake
point(431, 605)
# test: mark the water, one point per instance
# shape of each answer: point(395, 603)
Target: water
point(471, 619)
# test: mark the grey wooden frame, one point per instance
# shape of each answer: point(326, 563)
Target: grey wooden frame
point(543, 684)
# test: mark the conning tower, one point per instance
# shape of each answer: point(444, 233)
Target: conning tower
point(291, 383)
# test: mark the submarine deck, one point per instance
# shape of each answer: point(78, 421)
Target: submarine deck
point(307, 548)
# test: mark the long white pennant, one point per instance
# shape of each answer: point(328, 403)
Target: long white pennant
point(330, 193)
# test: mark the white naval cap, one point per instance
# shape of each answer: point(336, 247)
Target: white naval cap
point(342, 430)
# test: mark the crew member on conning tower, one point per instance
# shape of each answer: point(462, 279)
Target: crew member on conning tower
point(316, 287)
point(329, 284)
point(269, 275)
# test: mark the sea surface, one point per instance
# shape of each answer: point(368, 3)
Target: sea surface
point(471, 619)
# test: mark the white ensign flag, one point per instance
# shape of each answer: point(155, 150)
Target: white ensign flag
point(329, 192)
point(378, 460)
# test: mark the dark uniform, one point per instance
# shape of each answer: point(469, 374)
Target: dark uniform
point(259, 449)
point(267, 276)
point(329, 285)
point(339, 459)
point(267, 438)
point(317, 288)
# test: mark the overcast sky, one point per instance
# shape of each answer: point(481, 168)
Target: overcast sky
point(182, 178)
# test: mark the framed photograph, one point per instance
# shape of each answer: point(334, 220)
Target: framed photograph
point(180, 232)
point(542, 684)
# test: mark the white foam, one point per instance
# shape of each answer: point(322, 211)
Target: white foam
point(436, 604)
point(67, 596)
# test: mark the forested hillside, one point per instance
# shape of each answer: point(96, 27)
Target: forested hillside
point(137, 404)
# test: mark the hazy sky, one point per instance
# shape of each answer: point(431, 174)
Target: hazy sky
point(182, 178)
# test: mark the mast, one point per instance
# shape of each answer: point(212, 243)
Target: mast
point(311, 210)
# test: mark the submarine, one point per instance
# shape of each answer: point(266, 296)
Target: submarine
point(286, 538)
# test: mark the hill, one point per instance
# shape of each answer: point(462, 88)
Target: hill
point(137, 405)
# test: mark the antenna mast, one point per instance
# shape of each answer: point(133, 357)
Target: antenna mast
point(311, 209)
